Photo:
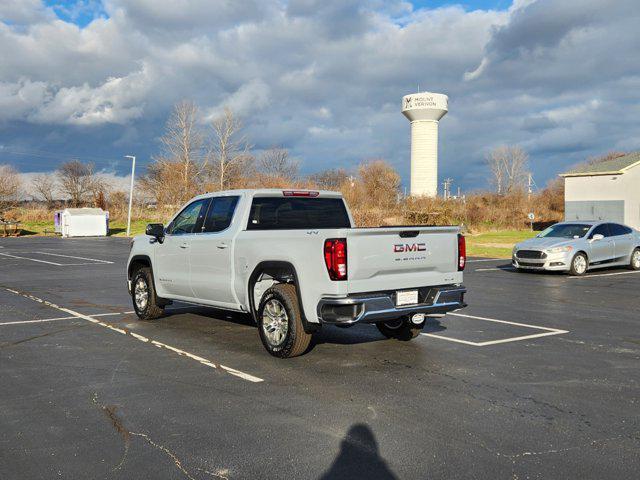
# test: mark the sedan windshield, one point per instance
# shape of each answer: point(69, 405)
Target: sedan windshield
point(566, 230)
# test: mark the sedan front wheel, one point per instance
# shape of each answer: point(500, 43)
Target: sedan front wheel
point(579, 264)
point(635, 260)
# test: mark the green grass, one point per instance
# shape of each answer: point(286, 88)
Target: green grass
point(498, 244)
point(117, 228)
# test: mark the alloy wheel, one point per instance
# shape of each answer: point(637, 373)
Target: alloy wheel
point(580, 264)
point(141, 294)
point(275, 322)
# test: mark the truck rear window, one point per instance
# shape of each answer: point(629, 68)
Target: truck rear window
point(275, 213)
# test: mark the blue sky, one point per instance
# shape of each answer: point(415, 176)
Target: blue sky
point(323, 78)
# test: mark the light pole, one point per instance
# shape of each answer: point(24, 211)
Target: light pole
point(133, 171)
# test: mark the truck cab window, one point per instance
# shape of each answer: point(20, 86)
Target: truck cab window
point(220, 214)
point(277, 213)
point(190, 219)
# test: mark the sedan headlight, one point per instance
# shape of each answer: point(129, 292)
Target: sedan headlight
point(566, 248)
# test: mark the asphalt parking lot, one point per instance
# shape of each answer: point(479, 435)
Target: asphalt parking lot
point(537, 378)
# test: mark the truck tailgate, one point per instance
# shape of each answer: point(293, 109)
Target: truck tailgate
point(395, 258)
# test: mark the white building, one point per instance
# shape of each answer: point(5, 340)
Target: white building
point(82, 222)
point(608, 190)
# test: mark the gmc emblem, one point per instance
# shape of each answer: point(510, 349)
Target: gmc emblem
point(409, 247)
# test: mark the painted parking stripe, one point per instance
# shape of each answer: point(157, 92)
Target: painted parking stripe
point(495, 320)
point(51, 263)
point(201, 360)
point(547, 332)
point(77, 258)
point(599, 274)
point(44, 320)
point(32, 259)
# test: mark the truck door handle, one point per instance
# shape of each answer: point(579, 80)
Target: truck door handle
point(222, 246)
point(184, 245)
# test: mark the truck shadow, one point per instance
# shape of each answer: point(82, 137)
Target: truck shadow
point(210, 312)
point(359, 457)
point(364, 333)
point(328, 334)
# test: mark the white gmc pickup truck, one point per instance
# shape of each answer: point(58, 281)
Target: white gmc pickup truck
point(294, 261)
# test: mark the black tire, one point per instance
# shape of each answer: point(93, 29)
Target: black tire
point(576, 264)
point(399, 329)
point(292, 342)
point(634, 262)
point(151, 309)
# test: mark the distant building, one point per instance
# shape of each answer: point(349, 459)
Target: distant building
point(608, 190)
point(82, 222)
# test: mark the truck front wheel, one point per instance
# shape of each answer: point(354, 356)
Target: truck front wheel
point(280, 322)
point(400, 329)
point(143, 294)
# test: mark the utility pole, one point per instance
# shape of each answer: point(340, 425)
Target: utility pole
point(529, 190)
point(447, 187)
point(133, 171)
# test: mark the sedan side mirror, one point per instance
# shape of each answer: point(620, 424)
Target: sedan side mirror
point(155, 230)
point(597, 237)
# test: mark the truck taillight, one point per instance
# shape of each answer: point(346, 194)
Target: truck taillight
point(335, 257)
point(462, 252)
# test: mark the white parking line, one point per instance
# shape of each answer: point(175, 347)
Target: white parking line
point(547, 332)
point(32, 259)
point(599, 274)
point(78, 258)
point(89, 318)
point(43, 320)
point(92, 261)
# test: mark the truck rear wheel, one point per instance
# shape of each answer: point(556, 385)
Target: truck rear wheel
point(280, 322)
point(400, 329)
point(143, 294)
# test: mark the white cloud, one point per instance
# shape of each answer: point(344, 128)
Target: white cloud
point(324, 77)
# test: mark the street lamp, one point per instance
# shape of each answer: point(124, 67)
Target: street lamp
point(133, 171)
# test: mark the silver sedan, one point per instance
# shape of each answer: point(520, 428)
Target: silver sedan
point(576, 247)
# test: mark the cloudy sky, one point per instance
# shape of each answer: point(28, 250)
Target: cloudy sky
point(323, 78)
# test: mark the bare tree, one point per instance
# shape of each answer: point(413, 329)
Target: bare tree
point(76, 181)
point(229, 150)
point(331, 179)
point(176, 174)
point(509, 168)
point(276, 162)
point(605, 158)
point(44, 185)
point(182, 146)
point(10, 185)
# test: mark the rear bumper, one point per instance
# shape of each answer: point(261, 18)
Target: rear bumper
point(374, 307)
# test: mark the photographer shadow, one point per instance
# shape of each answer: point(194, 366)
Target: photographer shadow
point(359, 458)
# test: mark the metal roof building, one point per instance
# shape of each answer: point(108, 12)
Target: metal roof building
point(608, 190)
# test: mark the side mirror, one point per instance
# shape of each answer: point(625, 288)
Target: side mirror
point(597, 237)
point(155, 230)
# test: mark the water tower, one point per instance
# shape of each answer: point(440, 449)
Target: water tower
point(424, 110)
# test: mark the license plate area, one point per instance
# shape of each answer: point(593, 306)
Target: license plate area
point(406, 297)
